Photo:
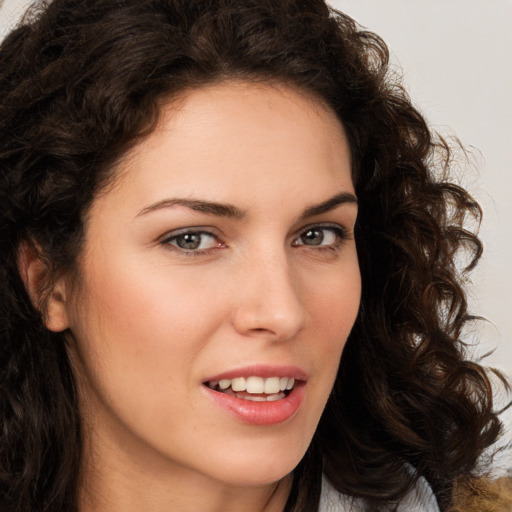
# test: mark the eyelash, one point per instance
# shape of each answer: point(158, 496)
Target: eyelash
point(168, 242)
point(341, 235)
point(339, 232)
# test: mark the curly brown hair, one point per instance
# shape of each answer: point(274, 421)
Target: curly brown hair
point(81, 83)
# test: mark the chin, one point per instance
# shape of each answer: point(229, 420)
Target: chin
point(254, 477)
point(259, 468)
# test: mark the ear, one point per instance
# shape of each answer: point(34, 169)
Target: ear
point(46, 295)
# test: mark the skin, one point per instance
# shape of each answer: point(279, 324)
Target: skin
point(150, 321)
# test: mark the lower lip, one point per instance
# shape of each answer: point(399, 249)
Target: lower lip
point(260, 413)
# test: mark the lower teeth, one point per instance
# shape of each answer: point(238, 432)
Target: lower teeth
point(259, 398)
point(255, 398)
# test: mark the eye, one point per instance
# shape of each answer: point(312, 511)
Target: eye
point(322, 236)
point(192, 241)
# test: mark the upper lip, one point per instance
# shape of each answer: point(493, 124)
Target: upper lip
point(259, 370)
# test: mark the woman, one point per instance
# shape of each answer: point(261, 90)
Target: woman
point(184, 185)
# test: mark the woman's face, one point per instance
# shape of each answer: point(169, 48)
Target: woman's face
point(219, 267)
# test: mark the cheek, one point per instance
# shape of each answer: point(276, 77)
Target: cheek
point(137, 337)
point(144, 336)
point(137, 331)
point(146, 300)
point(333, 305)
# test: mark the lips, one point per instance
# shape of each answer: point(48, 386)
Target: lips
point(259, 395)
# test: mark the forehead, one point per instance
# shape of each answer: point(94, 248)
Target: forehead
point(240, 139)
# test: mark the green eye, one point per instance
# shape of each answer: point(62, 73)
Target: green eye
point(313, 236)
point(321, 236)
point(189, 241)
point(192, 241)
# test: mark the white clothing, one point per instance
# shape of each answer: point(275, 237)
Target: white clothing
point(420, 499)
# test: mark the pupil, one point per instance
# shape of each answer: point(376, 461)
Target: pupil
point(189, 241)
point(313, 237)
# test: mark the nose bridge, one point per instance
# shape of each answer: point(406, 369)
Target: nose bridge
point(270, 301)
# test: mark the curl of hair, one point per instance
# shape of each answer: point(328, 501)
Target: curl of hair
point(82, 82)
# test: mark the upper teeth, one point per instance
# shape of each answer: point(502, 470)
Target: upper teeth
point(255, 385)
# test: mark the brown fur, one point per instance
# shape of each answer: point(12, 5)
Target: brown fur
point(482, 495)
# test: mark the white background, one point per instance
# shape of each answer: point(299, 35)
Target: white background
point(456, 56)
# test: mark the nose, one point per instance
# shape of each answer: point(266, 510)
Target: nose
point(268, 300)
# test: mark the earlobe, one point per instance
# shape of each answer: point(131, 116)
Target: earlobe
point(46, 295)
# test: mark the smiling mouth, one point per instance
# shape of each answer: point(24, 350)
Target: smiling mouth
point(254, 389)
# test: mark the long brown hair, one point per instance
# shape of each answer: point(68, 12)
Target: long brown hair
point(81, 82)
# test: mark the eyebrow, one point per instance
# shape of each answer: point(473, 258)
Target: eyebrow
point(233, 212)
point(210, 208)
point(330, 204)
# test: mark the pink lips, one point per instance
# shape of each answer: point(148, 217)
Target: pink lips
point(261, 413)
